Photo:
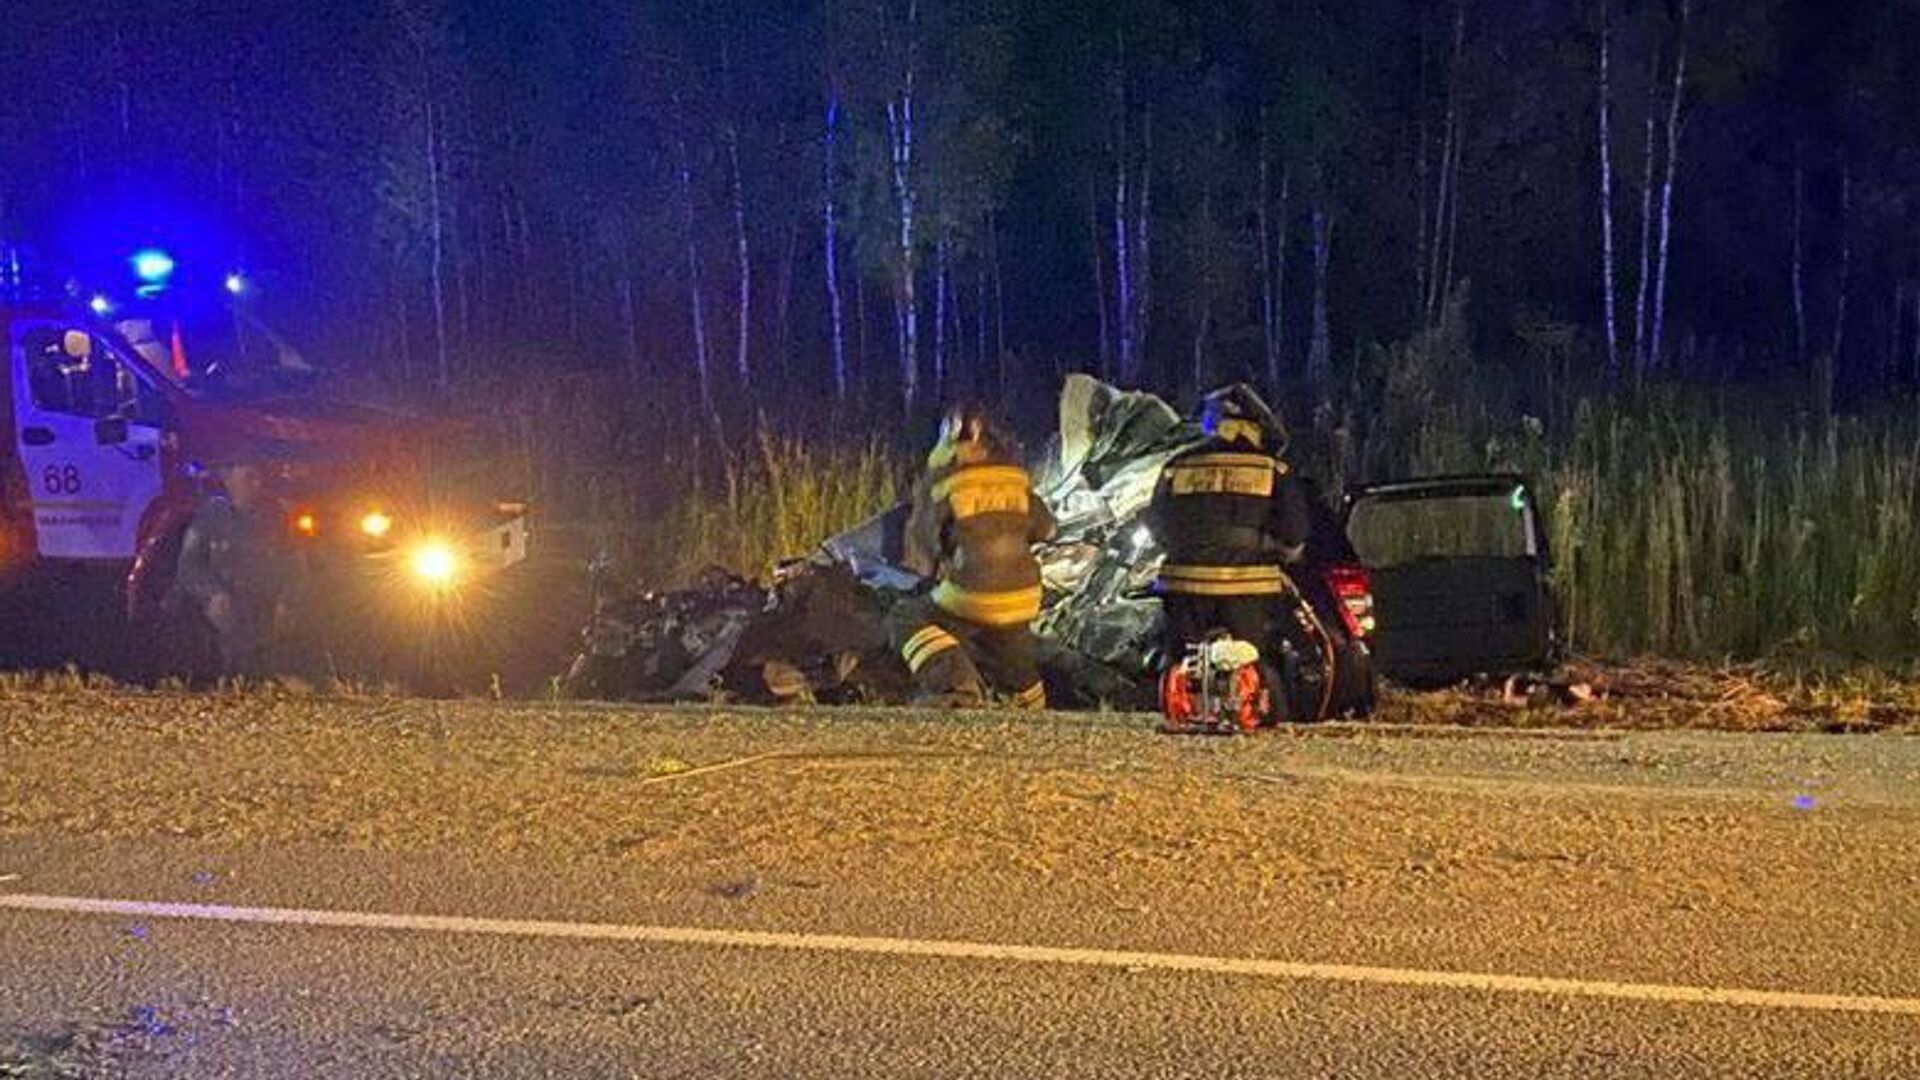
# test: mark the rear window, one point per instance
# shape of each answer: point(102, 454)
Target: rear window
point(1392, 532)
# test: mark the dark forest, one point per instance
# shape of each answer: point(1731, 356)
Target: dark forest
point(1662, 256)
point(889, 204)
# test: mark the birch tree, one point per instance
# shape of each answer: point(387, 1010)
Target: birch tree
point(1674, 102)
point(420, 91)
point(830, 223)
point(1320, 345)
point(743, 264)
point(1608, 278)
point(696, 300)
point(901, 132)
point(1271, 234)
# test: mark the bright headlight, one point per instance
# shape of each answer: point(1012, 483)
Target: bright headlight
point(376, 525)
point(435, 564)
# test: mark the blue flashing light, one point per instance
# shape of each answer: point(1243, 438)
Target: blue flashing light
point(100, 305)
point(236, 284)
point(152, 266)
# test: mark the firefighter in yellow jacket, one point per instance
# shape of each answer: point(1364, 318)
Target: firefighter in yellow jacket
point(1231, 517)
point(972, 529)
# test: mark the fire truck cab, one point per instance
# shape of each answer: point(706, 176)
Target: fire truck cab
point(107, 429)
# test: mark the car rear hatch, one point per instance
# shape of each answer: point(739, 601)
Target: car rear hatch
point(1459, 572)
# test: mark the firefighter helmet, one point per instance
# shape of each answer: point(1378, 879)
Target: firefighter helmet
point(968, 424)
point(1237, 413)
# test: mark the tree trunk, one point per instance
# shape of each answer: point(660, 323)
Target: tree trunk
point(1607, 279)
point(1123, 261)
point(962, 374)
point(1099, 284)
point(940, 293)
point(1453, 229)
point(1666, 189)
point(980, 331)
point(1320, 349)
point(1203, 323)
point(630, 321)
point(462, 292)
point(861, 325)
point(403, 321)
point(575, 279)
point(1799, 262)
point(437, 237)
point(1269, 343)
point(702, 368)
point(1445, 205)
point(1643, 281)
point(830, 242)
point(1890, 369)
point(1143, 256)
point(1915, 362)
point(900, 130)
point(1422, 139)
point(743, 334)
point(1830, 367)
point(783, 302)
point(1001, 358)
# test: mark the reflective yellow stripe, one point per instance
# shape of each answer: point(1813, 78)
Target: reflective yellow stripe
point(1223, 580)
point(1224, 573)
point(1008, 608)
point(985, 489)
point(1223, 588)
point(923, 646)
point(1033, 697)
point(1251, 461)
point(1223, 474)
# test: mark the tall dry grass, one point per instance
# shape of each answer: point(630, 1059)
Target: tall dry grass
point(1697, 529)
point(1683, 523)
point(775, 502)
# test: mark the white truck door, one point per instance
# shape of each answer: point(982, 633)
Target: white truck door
point(87, 497)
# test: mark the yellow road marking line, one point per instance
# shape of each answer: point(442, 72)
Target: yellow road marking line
point(978, 951)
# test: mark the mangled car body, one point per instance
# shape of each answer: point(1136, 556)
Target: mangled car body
point(816, 632)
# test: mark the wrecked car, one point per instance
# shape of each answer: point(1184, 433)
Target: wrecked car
point(817, 633)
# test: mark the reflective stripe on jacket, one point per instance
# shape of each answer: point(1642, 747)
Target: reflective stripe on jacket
point(1229, 518)
point(973, 525)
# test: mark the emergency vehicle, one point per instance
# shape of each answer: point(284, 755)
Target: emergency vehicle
point(113, 407)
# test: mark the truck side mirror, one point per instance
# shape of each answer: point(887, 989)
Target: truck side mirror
point(110, 430)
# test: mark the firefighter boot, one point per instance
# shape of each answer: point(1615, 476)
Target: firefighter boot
point(943, 674)
point(1032, 699)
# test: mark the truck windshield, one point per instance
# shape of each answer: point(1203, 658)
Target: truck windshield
point(223, 352)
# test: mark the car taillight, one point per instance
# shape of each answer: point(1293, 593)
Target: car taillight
point(1353, 591)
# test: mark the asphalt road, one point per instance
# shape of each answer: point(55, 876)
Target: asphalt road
point(390, 889)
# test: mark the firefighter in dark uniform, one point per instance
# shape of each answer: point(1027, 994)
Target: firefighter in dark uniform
point(241, 572)
point(1231, 517)
point(972, 529)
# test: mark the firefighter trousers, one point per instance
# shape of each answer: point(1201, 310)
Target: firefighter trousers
point(1191, 619)
point(959, 661)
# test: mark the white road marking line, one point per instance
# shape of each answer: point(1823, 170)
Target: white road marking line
point(974, 950)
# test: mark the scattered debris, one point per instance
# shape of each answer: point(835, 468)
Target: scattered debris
point(1651, 694)
point(734, 890)
point(684, 770)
